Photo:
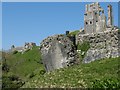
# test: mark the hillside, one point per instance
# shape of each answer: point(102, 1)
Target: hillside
point(21, 65)
point(101, 73)
point(27, 71)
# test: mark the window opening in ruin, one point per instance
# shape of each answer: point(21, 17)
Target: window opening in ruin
point(90, 22)
point(95, 13)
point(86, 23)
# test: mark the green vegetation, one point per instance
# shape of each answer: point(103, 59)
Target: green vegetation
point(74, 32)
point(22, 66)
point(11, 81)
point(97, 74)
point(26, 71)
point(84, 48)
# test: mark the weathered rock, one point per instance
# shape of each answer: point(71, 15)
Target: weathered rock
point(57, 52)
point(102, 45)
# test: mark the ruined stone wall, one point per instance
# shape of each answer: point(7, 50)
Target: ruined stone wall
point(110, 17)
point(58, 51)
point(94, 18)
point(102, 45)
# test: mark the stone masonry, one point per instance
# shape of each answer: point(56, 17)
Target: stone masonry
point(24, 48)
point(59, 51)
point(110, 17)
point(103, 38)
point(95, 19)
point(102, 45)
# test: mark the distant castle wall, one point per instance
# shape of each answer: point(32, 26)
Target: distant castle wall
point(23, 48)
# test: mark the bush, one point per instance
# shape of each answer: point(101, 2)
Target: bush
point(5, 67)
point(11, 82)
point(84, 48)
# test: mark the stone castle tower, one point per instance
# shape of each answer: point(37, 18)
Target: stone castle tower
point(95, 19)
point(110, 21)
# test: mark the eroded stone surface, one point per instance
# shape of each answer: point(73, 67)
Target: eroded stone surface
point(102, 45)
point(57, 52)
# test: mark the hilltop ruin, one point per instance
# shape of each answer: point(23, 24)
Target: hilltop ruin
point(102, 36)
point(22, 49)
point(95, 19)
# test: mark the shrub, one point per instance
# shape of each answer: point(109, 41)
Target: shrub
point(11, 82)
point(5, 67)
point(84, 48)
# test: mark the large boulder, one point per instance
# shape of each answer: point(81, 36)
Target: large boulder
point(57, 52)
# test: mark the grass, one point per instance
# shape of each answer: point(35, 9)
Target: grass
point(84, 48)
point(23, 65)
point(97, 74)
point(74, 32)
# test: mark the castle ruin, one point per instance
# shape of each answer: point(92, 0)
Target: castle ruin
point(95, 19)
point(110, 17)
point(27, 46)
point(60, 51)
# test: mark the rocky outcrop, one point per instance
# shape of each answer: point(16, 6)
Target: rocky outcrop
point(102, 45)
point(57, 52)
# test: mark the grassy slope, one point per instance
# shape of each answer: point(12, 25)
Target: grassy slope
point(23, 65)
point(101, 73)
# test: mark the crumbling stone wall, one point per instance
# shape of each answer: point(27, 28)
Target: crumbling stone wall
point(29, 45)
point(58, 51)
point(102, 45)
point(22, 49)
point(95, 19)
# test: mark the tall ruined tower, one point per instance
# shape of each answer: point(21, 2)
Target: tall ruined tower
point(110, 21)
point(94, 19)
